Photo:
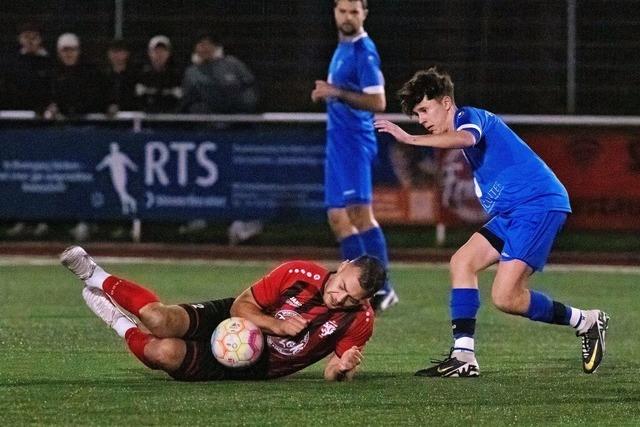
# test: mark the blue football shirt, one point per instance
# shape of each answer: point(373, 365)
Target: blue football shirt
point(355, 66)
point(508, 175)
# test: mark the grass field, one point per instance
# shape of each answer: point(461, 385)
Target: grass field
point(61, 365)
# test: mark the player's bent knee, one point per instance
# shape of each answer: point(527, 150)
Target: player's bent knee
point(340, 224)
point(157, 318)
point(167, 354)
point(361, 217)
point(504, 302)
point(461, 263)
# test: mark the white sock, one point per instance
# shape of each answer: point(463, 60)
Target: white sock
point(464, 344)
point(97, 278)
point(122, 325)
point(577, 318)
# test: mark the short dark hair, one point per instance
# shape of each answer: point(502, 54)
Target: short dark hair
point(31, 26)
point(365, 4)
point(211, 37)
point(432, 83)
point(373, 274)
point(118, 44)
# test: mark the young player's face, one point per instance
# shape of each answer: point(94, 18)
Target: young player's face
point(433, 114)
point(349, 16)
point(343, 289)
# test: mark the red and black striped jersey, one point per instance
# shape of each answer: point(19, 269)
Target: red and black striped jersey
point(295, 289)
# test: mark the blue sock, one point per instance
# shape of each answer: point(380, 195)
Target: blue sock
point(541, 308)
point(464, 305)
point(375, 244)
point(351, 247)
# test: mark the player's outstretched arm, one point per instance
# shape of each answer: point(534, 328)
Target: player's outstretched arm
point(343, 368)
point(246, 306)
point(451, 139)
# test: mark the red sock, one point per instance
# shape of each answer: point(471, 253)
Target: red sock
point(130, 296)
point(137, 340)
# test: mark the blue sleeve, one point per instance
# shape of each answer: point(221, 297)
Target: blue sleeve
point(369, 73)
point(470, 120)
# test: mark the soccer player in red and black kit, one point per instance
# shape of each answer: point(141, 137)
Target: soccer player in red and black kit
point(305, 312)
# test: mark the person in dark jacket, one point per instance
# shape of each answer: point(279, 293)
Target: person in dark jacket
point(77, 87)
point(27, 78)
point(119, 78)
point(217, 83)
point(158, 88)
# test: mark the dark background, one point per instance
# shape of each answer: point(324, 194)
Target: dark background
point(507, 56)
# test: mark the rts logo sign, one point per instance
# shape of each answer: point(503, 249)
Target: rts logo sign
point(170, 168)
point(161, 157)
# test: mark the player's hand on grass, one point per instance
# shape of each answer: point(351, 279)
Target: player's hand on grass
point(292, 326)
point(393, 129)
point(350, 359)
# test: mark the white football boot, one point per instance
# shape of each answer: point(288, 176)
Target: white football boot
point(103, 307)
point(79, 262)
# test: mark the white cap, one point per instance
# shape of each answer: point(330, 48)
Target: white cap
point(68, 40)
point(159, 40)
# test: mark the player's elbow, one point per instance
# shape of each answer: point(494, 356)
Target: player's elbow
point(238, 308)
point(465, 139)
point(380, 104)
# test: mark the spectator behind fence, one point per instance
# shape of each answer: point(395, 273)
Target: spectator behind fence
point(158, 88)
point(28, 75)
point(216, 83)
point(119, 78)
point(77, 87)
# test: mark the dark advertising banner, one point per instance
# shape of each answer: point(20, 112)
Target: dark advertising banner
point(89, 173)
point(276, 173)
point(601, 171)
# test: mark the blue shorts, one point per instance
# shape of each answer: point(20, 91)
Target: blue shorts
point(347, 169)
point(528, 238)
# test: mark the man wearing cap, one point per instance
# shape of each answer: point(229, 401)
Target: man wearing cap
point(158, 88)
point(216, 83)
point(27, 76)
point(77, 87)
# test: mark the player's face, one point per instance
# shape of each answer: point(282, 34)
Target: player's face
point(349, 16)
point(343, 289)
point(433, 114)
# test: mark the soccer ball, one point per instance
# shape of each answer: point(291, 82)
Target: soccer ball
point(237, 342)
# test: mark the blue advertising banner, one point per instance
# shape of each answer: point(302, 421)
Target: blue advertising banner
point(91, 173)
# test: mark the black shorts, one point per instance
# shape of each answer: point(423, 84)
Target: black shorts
point(199, 364)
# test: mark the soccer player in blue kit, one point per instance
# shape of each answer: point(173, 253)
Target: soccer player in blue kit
point(353, 92)
point(528, 206)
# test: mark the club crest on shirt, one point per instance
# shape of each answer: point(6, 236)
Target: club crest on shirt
point(293, 301)
point(328, 328)
point(286, 345)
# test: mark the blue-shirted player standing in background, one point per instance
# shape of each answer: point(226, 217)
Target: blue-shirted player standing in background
point(353, 92)
point(528, 205)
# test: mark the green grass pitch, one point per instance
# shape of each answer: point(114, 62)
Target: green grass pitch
point(60, 365)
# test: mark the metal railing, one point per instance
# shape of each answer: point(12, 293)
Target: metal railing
point(137, 118)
